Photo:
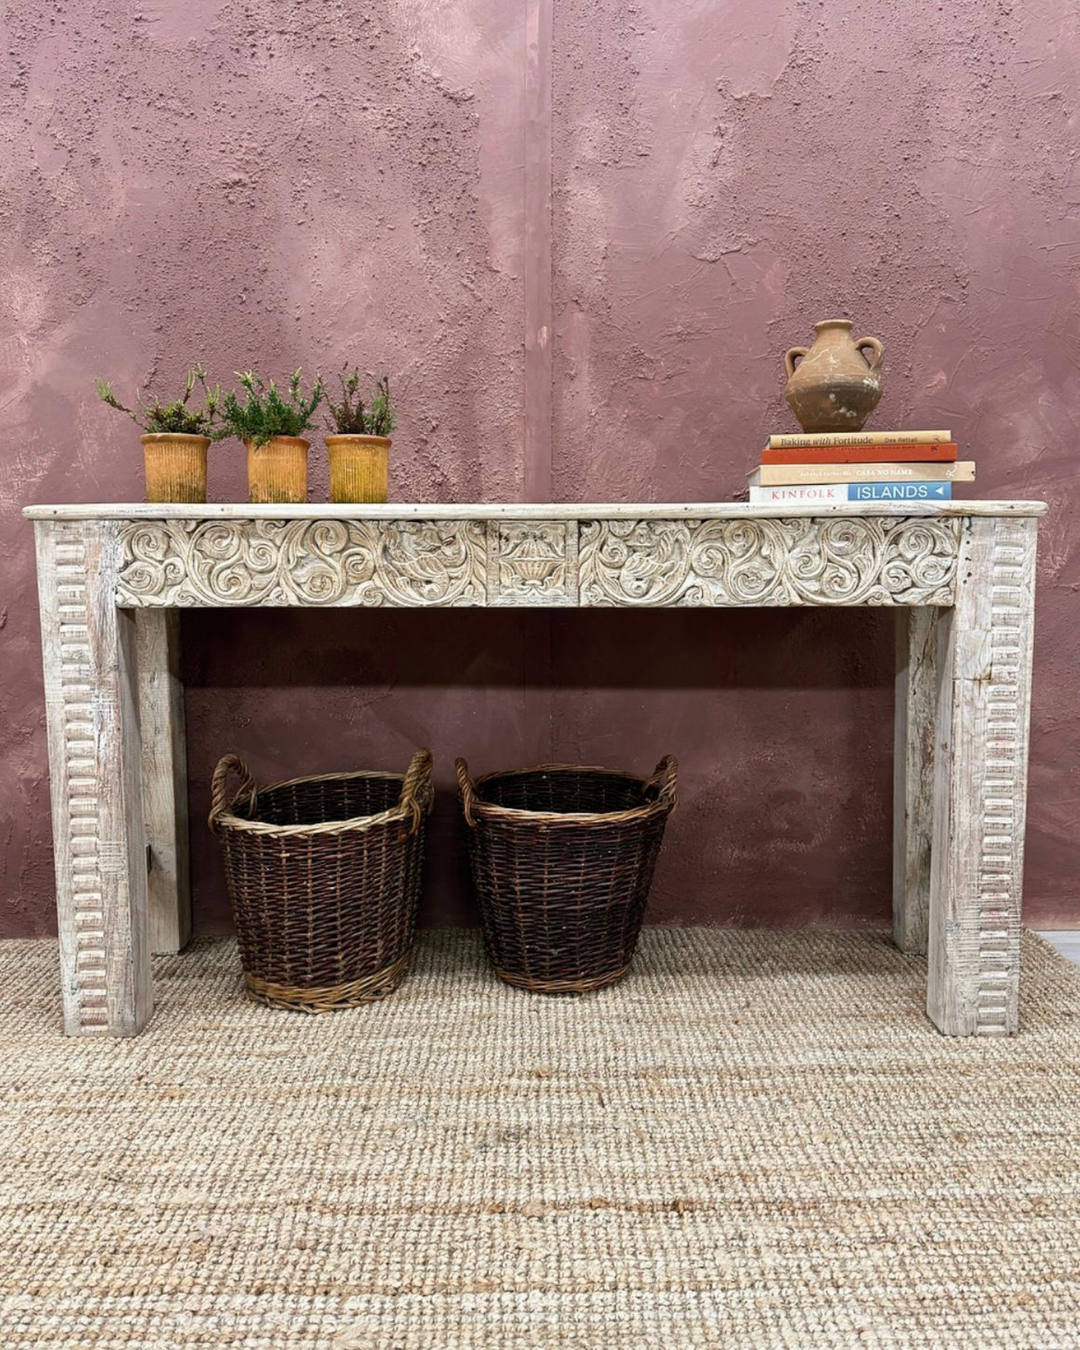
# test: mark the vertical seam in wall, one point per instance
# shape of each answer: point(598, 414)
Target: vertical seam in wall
point(538, 252)
point(539, 391)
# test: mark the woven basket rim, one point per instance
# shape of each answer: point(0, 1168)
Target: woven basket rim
point(481, 807)
point(353, 824)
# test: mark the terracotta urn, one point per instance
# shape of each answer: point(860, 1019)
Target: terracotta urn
point(359, 468)
point(277, 471)
point(833, 387)
point(175, 466)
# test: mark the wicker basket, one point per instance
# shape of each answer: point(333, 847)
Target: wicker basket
point(324, 879)
point(562, 859)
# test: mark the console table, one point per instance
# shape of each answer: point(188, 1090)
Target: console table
point(112, 579)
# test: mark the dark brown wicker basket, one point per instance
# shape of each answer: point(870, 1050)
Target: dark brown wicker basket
point(562, 858)
point(324, 879)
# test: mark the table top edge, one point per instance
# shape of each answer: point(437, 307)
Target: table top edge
point(523, 511)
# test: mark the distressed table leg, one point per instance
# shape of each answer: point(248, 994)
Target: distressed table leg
point(980, 781)
point(913, 773)
point(95, 770)
point(164, 777)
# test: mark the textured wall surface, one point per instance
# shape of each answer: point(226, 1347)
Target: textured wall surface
point(276, 184)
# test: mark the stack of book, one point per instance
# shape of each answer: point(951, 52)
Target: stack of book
point(858, 466)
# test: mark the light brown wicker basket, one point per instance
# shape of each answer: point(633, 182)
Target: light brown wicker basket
point(562, 859)
point(324, 878)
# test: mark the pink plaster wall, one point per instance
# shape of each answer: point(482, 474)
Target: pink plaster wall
point(270, 184)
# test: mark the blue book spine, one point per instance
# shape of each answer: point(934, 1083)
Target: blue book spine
point(899, 492)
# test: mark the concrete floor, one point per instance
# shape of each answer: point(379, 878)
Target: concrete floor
point(1066, 941)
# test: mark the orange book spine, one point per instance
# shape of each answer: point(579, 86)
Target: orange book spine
point(862, 454)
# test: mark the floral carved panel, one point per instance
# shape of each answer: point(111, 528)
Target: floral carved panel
point(763, 561)
point(302, 562)
point(807, 561)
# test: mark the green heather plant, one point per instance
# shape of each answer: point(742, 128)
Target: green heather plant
point(267, 411)
point(176, 418)
point(349, 417)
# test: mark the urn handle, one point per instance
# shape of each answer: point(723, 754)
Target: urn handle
point(789, 358)
point(878, 350)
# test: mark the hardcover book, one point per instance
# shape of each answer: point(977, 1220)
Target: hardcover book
point(812, 440)
point(835, 494)
point(863, 454)
point(773, 475)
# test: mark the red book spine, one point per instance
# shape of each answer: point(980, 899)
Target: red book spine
point(863, 454)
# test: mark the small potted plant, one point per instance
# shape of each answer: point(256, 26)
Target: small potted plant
point(359, 446)
point(271, 423)
point(175, 438)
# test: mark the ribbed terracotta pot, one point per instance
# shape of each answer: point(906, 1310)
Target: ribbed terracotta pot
point(359, 468)
point(277, 471)
point(175, 466)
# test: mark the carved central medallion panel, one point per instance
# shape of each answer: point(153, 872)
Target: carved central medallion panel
point(532, 562)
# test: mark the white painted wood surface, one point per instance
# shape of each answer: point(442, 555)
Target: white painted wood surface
point(95, 775)
point(164, 783)
point(523, 511)
point(980, 782)
point(961, 576)
point(913, 774)
point(883, 560)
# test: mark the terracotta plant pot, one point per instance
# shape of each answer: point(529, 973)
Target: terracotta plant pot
point(175, 467)
point(834, 387)
point(277, 471)
point(359, 468)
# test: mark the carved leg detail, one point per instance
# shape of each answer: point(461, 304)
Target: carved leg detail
point(94, 765)
point(164, 777)
point(980, 781)
point(913, 774)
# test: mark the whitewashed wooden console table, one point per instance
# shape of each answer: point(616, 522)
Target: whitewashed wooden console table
point(112, 578)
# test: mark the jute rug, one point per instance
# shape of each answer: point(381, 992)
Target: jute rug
point(756, 1141)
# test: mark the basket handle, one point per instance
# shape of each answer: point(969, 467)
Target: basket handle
point(468, 790)
point(663, 781)
point(416, 795)
point(220, 801)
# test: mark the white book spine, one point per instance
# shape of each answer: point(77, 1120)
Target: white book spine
point(800, 494)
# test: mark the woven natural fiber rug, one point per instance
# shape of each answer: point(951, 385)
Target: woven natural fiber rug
point(757, 1140)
